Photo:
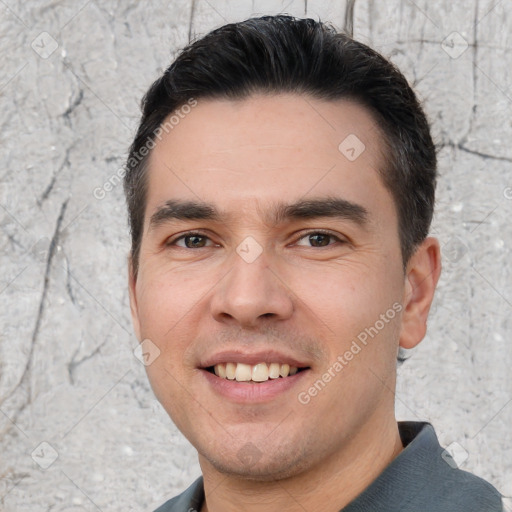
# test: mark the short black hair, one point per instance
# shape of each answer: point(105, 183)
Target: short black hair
point(280, 54)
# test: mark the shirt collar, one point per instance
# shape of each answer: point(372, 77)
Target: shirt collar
point(405, 475)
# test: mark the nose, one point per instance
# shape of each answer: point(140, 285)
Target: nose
point(250, 293)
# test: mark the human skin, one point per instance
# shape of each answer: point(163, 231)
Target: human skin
point(302, 299)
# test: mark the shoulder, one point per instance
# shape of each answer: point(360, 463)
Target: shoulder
point(190, 500)
point(461, 490)
point(436, 482)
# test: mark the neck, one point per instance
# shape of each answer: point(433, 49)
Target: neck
point(328, 486)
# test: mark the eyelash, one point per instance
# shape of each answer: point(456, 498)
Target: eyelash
point(312, 232)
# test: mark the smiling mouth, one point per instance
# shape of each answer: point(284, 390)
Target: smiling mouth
point(254, 374)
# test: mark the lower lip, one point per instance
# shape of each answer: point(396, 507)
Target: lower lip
point(247, 392)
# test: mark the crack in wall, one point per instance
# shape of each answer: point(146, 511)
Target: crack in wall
point(69, 288)
point(65, 163)
point(42, 302)
point(348, 25)
point(485, 156)
point(73, 105)
point(73, 364)
point(474, 60)
point(191, 19)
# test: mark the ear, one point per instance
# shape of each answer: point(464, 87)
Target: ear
point(422, 275)
point(132, 283)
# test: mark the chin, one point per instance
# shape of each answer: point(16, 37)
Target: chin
point(251, 464)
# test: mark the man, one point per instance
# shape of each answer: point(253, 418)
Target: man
point(280, 192)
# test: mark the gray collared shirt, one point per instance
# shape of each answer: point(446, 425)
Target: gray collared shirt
point(422, 478)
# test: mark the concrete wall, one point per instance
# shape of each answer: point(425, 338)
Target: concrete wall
point(72, 77)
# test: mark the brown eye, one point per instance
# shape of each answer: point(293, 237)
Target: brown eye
point(319, 238)
point(192, 240)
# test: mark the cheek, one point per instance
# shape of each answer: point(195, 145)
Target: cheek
point(164, 301)
point(347, 296)
point(170, 310)
point(357, 313)
point(165, 310)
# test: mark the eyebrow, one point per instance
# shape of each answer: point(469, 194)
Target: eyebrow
point(333, 207)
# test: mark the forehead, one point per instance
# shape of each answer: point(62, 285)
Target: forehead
point(268, 147)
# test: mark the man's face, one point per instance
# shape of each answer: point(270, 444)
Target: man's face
point(250, 288)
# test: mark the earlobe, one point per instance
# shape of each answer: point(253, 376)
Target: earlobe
point(132, 282)
point(423, 271)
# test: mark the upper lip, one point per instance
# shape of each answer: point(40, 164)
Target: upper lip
point(252, 358)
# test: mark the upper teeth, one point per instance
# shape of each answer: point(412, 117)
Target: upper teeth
point(259, 372)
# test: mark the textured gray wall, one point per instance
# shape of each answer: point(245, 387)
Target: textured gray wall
point(71, 78)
